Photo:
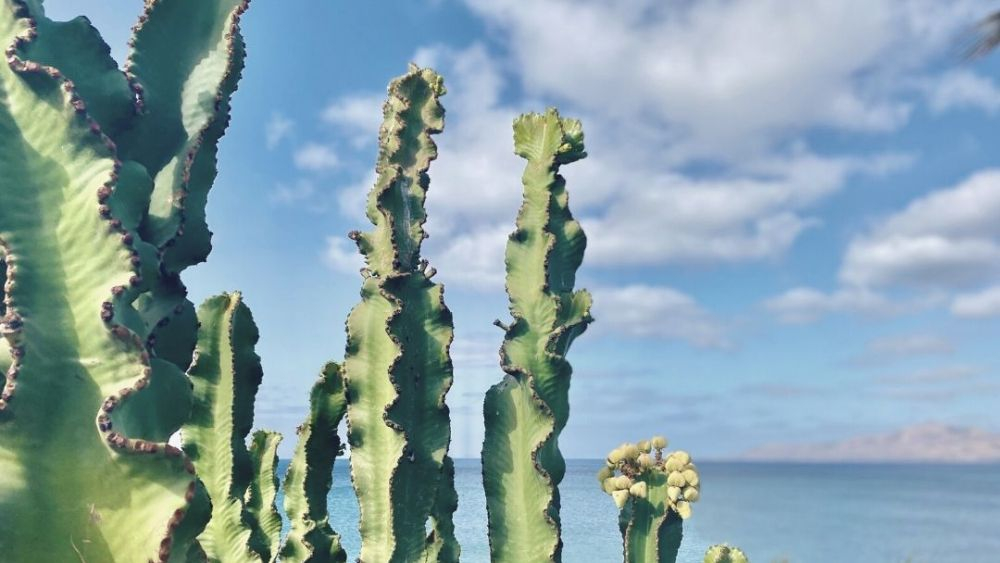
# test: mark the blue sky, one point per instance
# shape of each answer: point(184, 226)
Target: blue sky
point(793, 209)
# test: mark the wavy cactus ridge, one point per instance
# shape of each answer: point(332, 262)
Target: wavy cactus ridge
point(77, 366)
point(225, 376)
point(442, 545)
point(525, 413)
point(262, 496)
point(310, 475)
point(397, 367)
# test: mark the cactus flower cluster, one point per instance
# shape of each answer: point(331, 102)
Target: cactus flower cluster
point(725, 554)
point(653, 491)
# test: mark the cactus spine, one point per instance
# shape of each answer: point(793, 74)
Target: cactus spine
point(397, 366)
point(522, 465)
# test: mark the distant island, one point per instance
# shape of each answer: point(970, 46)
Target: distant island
point(930, 442)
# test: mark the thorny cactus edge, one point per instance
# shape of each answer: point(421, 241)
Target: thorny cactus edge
point(653, 492)
point(91, 394)
point(526, 411)
point(397, 366)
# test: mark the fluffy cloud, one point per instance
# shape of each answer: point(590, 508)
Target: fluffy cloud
point(277, 129)
point(731, 77)
point(946, 239)
point(963, 89)
point(803, 305)
point(358, 116)
point(980, 304)
point(658, 312)
point(316, 157)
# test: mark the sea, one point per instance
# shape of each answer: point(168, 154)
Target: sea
point(776, 512)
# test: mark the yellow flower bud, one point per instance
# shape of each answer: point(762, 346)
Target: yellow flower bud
point(644, 446)
point(676, 479)
point(673, 493)
point(630, 452)
point(608, 485)
point(622, 482)
point(683, 509)
point(638, 490)
point(645, 461)
point(683, 457)
point(620, 497)
point(691, 476)
point(604, 473)
point(691, 494)
point(658, 442)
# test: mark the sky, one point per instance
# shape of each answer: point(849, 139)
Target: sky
point(792, 208)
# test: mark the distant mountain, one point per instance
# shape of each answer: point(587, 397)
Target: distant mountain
point(929, 442)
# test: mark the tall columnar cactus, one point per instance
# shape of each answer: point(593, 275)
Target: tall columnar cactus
point(226, 374)
point(725, 554)
point(397, 367)
point(654, 493)
point(240, 483)
point(522, 465)
point(89, 401)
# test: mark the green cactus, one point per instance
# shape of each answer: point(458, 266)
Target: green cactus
point(93, 391)
point(522, 465)
point(308, 480)
point(241, 484)
point(725, 554)
point(225, 376)
point(654, 493)
point(397, 367)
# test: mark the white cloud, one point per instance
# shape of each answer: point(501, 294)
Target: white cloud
point(342, 255)
point(657, 312)
point(358, 116)
point(962, 89)
point(901, 347)
point(804, 305)
point(278, 128)
point(946, 239)
point(981, 304)
point(316, 157)
point(728, 77)
point(287, 194)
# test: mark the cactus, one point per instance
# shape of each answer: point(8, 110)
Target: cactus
point(397, 366)
point(725, 554)
point(522, 465)
point(89, 402)
point(225, 376)
point(240, 484)
point(308, 480)
point(653, 493)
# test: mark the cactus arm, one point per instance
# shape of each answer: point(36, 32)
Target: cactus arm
point(73, 476)
point(76, 48)
point(397, 367)
point(525, 413)
point(725, 554)
point(261, 497)
point(184, 62)
point(442, 545)
point(225, 376)
point(653, 533)
point(310, 475)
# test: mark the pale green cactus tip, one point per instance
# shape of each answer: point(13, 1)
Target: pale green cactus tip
point(725, 554)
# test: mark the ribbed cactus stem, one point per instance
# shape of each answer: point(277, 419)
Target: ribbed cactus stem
point(397, 367)
point(725, 554)
point(653, 491)
point(262, 496)
point(310, 475)
point(225, 376)
point(85, 409)
point(522, 465)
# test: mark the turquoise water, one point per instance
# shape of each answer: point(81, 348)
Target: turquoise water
point(799, 513)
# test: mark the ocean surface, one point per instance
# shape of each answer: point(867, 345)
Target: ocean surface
point(777, 512)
